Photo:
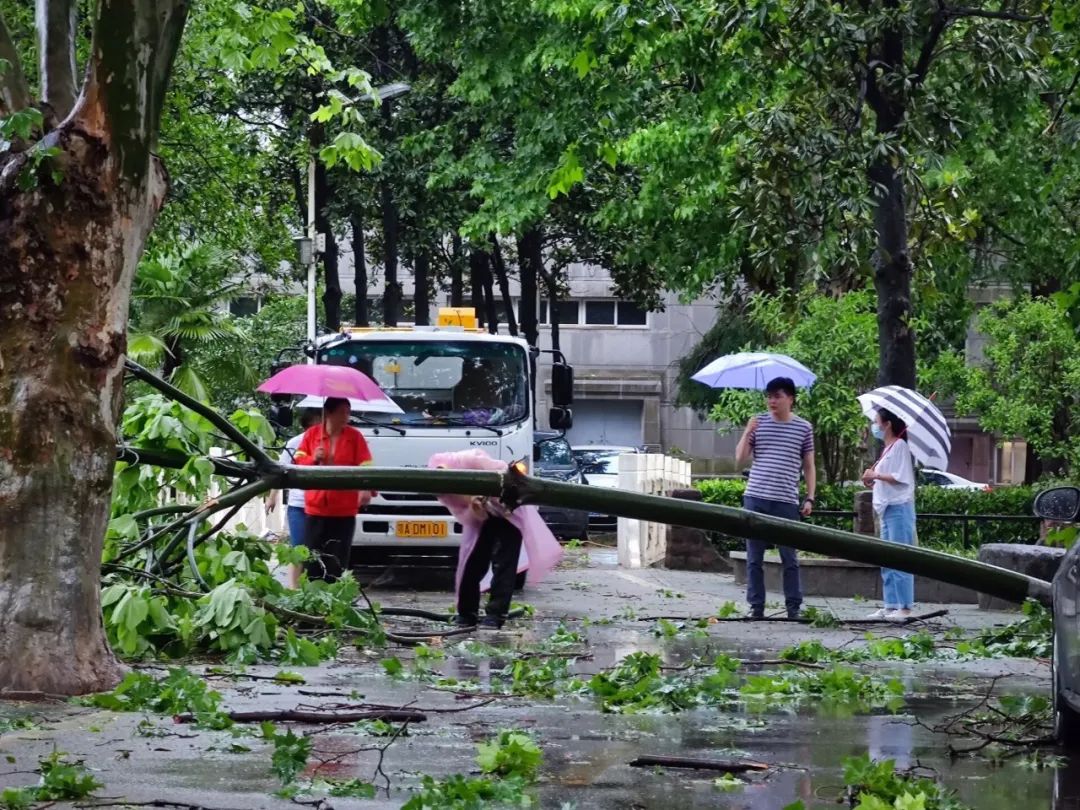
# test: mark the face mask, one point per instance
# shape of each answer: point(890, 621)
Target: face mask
point(878, 431)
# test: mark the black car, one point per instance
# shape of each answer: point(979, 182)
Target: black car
point(553, 459)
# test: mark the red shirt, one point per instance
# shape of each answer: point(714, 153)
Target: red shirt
point(350, 450)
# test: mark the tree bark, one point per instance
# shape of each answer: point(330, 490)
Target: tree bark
point(68, 252)
point(480, 265)
point(331, 279)
point(476, 289)
point(392, 292)
point(530, 261)
point(553, 307)
point(360, 307)
point(421, 304)
point(457, 285)
point(504, 285)
point(14, 91)
point(55, 20)
point(892, 259)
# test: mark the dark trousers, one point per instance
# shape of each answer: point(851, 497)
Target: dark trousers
point(498, 546)
point(329, 539)
point(755, 555)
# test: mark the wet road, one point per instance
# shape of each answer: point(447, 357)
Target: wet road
point(586, 752)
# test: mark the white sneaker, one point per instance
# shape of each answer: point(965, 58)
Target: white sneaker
point(901, 615)
point(881, 613)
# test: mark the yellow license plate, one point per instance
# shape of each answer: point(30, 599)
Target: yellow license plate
point(421, 528)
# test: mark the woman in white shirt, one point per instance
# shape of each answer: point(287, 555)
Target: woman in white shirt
point(893, 482)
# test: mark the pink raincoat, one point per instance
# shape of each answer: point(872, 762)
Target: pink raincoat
point(540, 551)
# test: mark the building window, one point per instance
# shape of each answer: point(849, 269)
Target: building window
point(243, 307)
point(631, 314)
point(597, 312)
point(600, 312)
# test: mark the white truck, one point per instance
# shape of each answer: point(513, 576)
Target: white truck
point(458, 387)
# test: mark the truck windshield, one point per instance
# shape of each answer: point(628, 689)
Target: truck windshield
point(442, 383)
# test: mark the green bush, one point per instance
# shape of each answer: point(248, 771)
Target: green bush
point(946, 535)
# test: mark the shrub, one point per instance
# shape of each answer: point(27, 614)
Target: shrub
point(945, 535)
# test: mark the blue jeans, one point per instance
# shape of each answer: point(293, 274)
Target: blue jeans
point(296, 518)
point(898, 526)
point(755, 555)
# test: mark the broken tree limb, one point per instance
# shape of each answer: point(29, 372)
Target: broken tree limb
point(724, 765)
point(317, 718)
point(254, 452)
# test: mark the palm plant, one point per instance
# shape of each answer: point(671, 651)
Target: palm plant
point(179, 309)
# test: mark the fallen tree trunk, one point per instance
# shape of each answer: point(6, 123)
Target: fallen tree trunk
point(514, 487)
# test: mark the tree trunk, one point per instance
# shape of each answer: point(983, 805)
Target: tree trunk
point(331, 279)
point(421, 304)
point(553, 308)
point(530, 260)
point(457, 286)
point(476, 289)
point(392, 292)
point(68, 252)
point(504, 285)
point(892, 260)
point(360, 314)
point(480, 262)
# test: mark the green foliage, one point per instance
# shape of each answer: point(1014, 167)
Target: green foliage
point(1027, 382)
point(459, 792)
point(846, 366)
point(61, 780)
point(291, 752)
point(179, 692)
point(878, 786)
point(512, 760)
point(636, 685)
point(512, 753)
point(838, 689)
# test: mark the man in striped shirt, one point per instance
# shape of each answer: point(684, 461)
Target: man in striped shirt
point(781, 445)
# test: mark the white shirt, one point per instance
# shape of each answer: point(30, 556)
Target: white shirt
point(296, 496)
point(895, 461)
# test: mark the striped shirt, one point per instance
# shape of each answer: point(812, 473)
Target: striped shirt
point(779, 449)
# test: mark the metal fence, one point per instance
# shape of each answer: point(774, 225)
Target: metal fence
point(968, 530)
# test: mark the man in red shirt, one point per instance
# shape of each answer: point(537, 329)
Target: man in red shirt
point(331, 514)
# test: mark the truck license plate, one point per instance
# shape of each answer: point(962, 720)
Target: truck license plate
point(421, 528)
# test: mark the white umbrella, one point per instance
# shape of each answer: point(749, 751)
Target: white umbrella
point(386, 405)
point(754, 370)
point(928, 435)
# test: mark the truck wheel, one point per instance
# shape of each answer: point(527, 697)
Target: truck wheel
point(1066, 718)
point(519, 581)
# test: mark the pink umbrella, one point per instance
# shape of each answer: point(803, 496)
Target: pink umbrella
point(326, 381)
point(540, 551)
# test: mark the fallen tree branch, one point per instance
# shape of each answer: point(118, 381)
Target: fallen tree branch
point(317, 718)
point(262, 461)
point(724, 765)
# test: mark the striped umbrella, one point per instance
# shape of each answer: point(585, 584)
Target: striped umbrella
point(928, 435)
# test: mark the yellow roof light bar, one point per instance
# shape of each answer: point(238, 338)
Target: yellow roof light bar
point(464, 317)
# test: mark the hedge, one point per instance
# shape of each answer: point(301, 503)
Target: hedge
point(939, 534)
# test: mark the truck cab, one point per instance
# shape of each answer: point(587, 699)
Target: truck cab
point(458, 388)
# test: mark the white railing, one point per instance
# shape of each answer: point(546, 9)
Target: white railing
point(641, 543)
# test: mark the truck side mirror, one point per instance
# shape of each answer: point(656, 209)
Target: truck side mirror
point(561, 418)
point(1059, 504)
point(562, 386)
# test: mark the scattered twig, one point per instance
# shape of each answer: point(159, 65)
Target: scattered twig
point(725, 765)
point(121, 802)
